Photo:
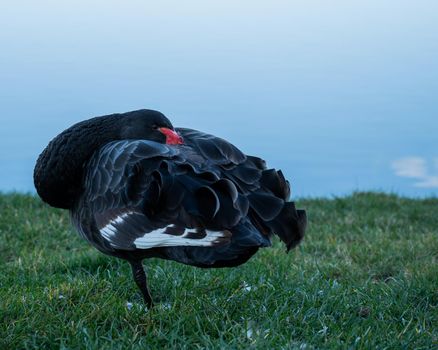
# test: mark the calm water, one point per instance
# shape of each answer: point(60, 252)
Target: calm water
point(342, 96)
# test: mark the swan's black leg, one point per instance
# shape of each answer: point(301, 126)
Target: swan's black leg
point(140, 279)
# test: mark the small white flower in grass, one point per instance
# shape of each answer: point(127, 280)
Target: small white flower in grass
point(129, 305)
point(61, 296)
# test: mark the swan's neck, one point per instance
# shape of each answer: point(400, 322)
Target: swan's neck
point(59, 172)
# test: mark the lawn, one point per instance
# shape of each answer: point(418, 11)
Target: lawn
point(366, 276)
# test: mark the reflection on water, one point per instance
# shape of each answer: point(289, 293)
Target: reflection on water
point(417, 168)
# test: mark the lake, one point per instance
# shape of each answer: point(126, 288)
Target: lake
point(342, 96)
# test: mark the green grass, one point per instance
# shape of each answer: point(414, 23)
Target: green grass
point(366, 276)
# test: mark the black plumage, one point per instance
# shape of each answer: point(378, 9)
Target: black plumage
point(138, 188)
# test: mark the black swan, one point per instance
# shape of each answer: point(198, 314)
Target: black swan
point(138, 188)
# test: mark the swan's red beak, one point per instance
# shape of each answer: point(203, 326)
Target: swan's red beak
point(172, 137)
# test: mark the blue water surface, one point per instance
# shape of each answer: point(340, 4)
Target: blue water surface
point(341, 95)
